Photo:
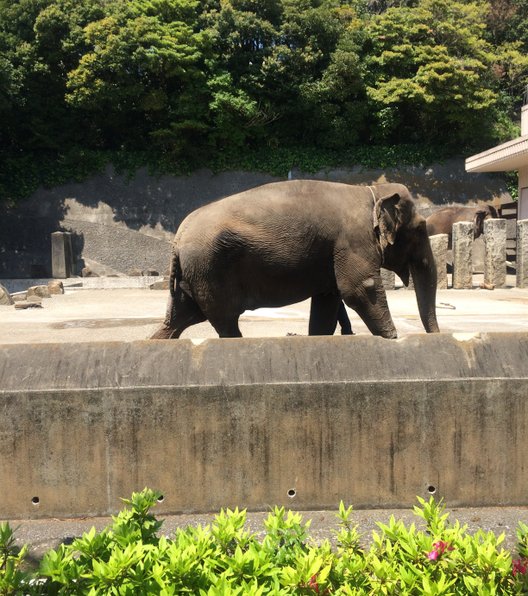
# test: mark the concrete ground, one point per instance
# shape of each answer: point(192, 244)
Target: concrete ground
point(128, 314)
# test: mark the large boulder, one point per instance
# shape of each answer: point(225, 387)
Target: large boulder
point(89, 272)
point(38, 291)
point(5, 297)
point(162, 284)
point(56, 286)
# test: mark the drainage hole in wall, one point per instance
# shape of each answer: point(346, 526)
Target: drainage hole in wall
point(292, 493)
point(431, 489)
point(161, 498)
point(35, 500)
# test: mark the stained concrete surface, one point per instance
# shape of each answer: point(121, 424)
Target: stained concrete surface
point(131, 314)
point(127, 314)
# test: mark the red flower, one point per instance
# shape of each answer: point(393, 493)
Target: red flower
point(439, 549)
point(519, 566)
point(313, 584)
point(433, 555)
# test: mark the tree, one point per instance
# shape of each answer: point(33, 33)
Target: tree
point(271, 53)
point(140, 74)
point(243, 34)
point(338, 96)
point(429, 74)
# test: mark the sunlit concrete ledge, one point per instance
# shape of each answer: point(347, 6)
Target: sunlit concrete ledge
point(298, 421)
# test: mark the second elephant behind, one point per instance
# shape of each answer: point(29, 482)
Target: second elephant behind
point(442, 220)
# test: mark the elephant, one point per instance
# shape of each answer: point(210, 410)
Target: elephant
point(442, 220)
point(343, 320)
point(287, 241)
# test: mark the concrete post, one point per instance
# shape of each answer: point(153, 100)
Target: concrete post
point(522, 254)
point(463, 255)
point(387, 277)
point(495, 252)
point(439, 248)
point(61, 255)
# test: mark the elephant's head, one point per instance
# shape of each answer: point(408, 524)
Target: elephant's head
point(406, 250)
point(481, 214)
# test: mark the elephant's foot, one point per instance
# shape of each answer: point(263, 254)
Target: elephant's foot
point(389, 334)
point(163, 333)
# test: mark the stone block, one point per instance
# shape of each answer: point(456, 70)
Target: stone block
point(5, 297)
point(522, 254)
point(495, 252)
point(28, 304)
point(61, 255)
point(462, 255)
point(439, 244)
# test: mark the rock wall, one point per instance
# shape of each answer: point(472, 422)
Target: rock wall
point(120, 224)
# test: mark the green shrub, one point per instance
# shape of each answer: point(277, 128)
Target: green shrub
point(130, 557)
point(12, 578)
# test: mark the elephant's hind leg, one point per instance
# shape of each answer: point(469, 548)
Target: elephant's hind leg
point(226, 326)
point(182, 312)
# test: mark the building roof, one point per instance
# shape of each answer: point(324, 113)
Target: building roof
point(503, 158)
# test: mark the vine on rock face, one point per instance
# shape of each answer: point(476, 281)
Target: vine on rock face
point(21, 177)
point(132, 556)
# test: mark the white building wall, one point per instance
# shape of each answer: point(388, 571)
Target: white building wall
point(522, 212)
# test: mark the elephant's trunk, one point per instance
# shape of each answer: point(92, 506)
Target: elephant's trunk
point(424, 278)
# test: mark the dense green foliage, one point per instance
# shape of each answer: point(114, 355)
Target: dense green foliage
point(182, 83)
point(130, 557)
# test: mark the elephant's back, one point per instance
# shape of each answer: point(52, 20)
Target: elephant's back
point(281, 196)
point(289, 201)
point(445, 217)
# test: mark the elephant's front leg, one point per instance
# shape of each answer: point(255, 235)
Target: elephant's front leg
point(370, 303)
point(323, 314)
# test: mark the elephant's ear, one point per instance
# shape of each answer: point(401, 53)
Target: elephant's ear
point(493, 212)
point(390, 214)
point(478, 222)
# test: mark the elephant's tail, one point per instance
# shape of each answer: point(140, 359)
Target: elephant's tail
point(175, 271)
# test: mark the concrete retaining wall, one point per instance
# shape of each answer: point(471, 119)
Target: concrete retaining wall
point(119, 224)
point(298, 421)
